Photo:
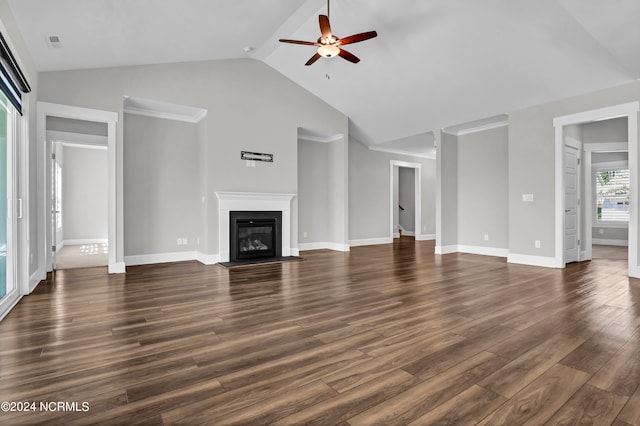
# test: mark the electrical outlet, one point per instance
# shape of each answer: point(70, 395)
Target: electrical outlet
point(304, 234)
point(179, 241)
point(486, 237)
point(536, 243)
point(601, 231)
point(185, 241)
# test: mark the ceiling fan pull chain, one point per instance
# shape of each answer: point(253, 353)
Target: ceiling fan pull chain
point(329, 9)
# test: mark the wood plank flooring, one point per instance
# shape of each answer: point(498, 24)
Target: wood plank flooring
point(388, 334)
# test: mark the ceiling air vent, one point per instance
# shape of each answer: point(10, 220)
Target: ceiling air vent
point(54, 41)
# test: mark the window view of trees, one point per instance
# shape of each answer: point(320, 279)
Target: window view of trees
point(612, 195)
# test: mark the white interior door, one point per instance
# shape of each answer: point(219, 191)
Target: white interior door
point(571, 202)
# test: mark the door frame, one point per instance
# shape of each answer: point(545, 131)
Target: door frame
point(629, 110)
point(417, 197)
point(45, 216)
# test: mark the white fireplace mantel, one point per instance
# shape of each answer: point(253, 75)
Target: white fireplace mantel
point(252, 201)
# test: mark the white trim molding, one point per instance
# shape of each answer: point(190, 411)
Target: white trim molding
point(163, 110)
point(252, 201)
point(461, 248)
point(323, 246)
point(426, 237)
point(446, 249)
point(476, 129)
point(485, 251)
point(400, 152)
point(207, 259)
point(526, 259)
point(148, 259)
point(370, 241)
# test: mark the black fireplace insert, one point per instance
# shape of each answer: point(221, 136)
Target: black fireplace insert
point(255, 235)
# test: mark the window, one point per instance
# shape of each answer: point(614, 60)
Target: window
point(612, 195)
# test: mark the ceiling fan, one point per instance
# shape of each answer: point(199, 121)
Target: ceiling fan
point(329, 45)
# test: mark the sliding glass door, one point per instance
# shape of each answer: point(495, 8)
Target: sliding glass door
point(7, 246)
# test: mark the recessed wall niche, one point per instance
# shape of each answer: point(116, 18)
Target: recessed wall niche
point(164, 176)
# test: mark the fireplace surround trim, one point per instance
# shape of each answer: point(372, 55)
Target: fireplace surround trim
point(252, 201)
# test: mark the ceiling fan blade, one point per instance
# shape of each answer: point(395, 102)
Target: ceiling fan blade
point(357, 37)
point(313, 59)
point(349, 56)
point(325, 27)
point(306, 43)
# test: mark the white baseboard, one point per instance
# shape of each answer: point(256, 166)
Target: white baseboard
point(8, 304)
point(321, 246)
point(461, 248)
point(526, 259)
point(446, 249)
point(207, 259)
point(118, 268)
point(34, 280)
point(606, 242)
point(85, 241)
point(396, 235)
point(370, 241)
point(148, 259)
point(426, 237)
point(295, 252)
point(485, 251)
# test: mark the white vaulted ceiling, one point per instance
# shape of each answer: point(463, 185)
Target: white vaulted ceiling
point(435, 64)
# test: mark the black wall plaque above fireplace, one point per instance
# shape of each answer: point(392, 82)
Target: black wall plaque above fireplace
point(255, 235)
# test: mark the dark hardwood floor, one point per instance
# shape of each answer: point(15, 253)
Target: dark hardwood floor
point(388, 334)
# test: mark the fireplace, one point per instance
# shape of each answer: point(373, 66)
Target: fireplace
point(255, 235)
point(253, 202)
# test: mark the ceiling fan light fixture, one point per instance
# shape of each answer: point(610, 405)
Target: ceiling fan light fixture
point(328, 50)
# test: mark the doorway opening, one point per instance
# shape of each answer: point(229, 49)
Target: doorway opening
point(47, 209)
point(80, 200)
point(587, 211)
point(405, 211)
point(607, 201)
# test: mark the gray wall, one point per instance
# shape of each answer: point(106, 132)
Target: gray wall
point(84, 191)
point(250, 107)
point(76, 126)
point(407, 198)
point(532, 165)
point(313, 192)
point(483, 188)
point(614, 130)
point(448, 153)
point(370, 192)
point(162, 195)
